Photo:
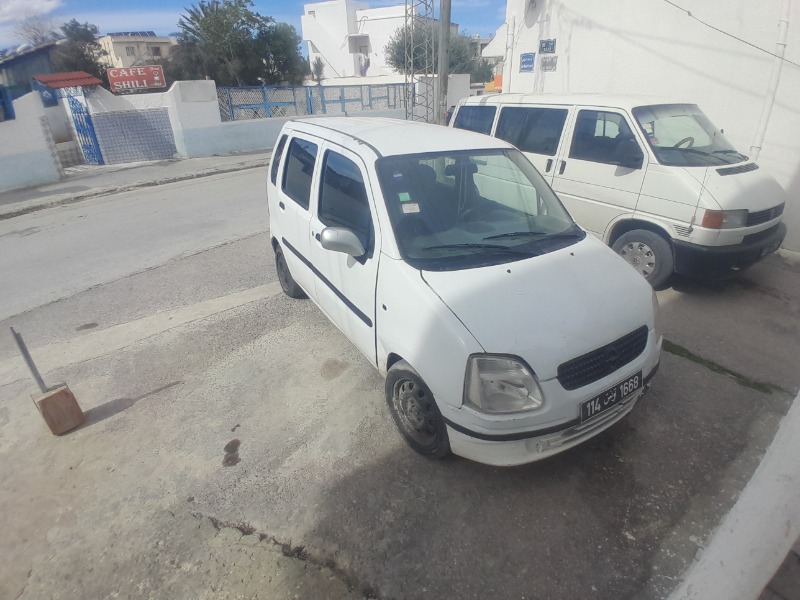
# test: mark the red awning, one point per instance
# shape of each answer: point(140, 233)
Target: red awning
point(71, 79)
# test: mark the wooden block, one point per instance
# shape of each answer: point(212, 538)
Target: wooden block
point(59, 409)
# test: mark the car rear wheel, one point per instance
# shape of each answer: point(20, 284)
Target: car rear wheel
point(414, 411)
point(288, 284)
point(648, 253)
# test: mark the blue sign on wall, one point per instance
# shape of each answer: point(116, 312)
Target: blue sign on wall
point(547, 46)
point(526, 62)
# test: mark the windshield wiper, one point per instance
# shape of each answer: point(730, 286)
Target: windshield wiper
point(730, 152)
point(514, 234)
point(484, 246)
point(700, 152)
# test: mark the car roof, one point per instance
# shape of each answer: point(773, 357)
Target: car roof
point(392, 137)
point(623, 101)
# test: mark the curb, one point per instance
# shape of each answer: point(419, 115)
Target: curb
point(64, 199)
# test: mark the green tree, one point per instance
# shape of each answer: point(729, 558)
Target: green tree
point(318, 70)
point(227, 41)
point(460, 53)
point(79, 51)
point(282, 62)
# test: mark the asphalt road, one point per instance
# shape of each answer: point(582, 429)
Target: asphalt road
point(174, 336)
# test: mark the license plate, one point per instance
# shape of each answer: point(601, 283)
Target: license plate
point(611, 397)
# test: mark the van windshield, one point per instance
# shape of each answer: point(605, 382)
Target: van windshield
point(465, 209)
point(681, 135)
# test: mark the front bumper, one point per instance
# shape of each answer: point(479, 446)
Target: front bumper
point(693, 259)
point(505, 450)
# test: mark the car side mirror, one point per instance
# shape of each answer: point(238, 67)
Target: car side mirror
point(340, 239)
point(630, 156)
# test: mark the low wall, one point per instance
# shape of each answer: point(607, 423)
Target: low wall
point(27, 156)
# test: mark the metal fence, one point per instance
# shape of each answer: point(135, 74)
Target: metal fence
point(242, 103)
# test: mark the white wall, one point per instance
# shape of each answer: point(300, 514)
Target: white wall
point(653, 48)
point(326, 31)
point(380, 24)
point(27, 155)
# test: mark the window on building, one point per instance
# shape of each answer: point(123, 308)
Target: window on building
point(343, 199)
point(534, 130)
point(130, 50)
point(475, 118)
point(300, 163)
point(155, 51)
point(312, 13)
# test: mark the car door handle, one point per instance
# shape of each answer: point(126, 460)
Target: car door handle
point(562, 167)
point(548, 165)
point(316, 236)
point(281, 205)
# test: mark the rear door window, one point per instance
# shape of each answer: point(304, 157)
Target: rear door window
point(475, 118)
point(300, 163)
point(536, 130)
point(276, 159)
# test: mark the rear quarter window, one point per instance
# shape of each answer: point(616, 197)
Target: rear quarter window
point(475, 118)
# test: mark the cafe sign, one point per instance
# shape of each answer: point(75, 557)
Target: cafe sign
point(131, 79)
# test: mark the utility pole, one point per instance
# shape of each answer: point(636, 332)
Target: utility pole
point(443, 67)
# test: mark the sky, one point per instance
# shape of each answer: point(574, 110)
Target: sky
point(473, 16)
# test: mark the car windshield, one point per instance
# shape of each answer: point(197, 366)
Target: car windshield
point(681, 135)
point(465, 209)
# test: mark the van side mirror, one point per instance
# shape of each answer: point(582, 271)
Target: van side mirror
point(629, 155)
point(340, 239)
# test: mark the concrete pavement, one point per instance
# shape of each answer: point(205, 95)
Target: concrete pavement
point(89, 181)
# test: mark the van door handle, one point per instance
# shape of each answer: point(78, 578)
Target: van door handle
point(281, 205)
point(548, 165)
point(562, 167)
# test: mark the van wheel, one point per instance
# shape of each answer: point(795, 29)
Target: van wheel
point(415, 412)
point(648, 253)
point(288, 284)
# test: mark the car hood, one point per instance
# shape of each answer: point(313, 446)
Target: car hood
point(754, 190)
point(551, 308)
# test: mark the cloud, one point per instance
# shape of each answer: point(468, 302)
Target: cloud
point(12, 11)
point(162, 22)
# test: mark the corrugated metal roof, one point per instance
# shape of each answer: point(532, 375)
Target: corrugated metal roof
point(69, 79)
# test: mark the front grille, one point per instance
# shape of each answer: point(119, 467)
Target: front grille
point(598, 363)
point(761, 235)
point(762, 216)
point(736, 170)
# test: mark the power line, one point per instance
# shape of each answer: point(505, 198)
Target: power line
point(730, 35)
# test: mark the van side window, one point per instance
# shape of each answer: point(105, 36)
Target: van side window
point(599, 136)
point(343, 199)
point(536, 130)
point(299, 169)
point(276, 159)
point(475, 118)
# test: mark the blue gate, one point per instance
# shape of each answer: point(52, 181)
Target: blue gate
point(85, 130)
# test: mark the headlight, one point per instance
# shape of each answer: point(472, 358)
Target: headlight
point(724, 219)
point(501, 384)
point(656, 315)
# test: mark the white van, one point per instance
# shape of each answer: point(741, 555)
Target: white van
point(656, 182)
point(505, 332)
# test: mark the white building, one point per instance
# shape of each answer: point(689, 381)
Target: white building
point(706, 57)
point(350, 37)
point(132, 48)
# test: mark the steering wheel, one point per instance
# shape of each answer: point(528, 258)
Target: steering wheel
point(689, 139)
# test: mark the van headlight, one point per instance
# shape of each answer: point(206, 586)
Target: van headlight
point(501, 384)
point(724, 219)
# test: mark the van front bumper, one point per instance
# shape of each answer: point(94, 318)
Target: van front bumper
point(693, 259)
point(506, 450)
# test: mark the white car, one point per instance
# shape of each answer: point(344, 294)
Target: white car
point(505, 332)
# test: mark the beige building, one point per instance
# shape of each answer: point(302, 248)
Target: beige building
point(134, 48)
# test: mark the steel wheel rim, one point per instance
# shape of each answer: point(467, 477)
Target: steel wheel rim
point(640, 256)
point(414, 406)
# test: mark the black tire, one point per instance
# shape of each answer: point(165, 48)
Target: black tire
point(288, 284)
point(647, 252)
point(415, 412)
